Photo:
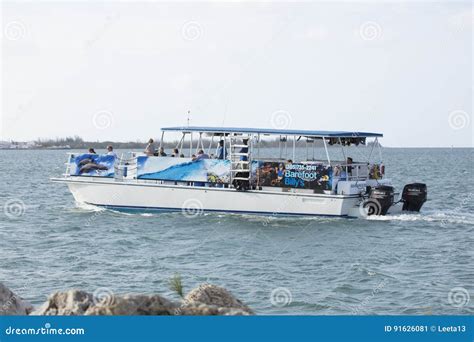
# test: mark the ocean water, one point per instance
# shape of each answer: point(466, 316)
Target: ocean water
point(403, 264)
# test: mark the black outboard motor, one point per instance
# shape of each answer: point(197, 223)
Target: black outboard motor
point(380, 200)
point(413, 196)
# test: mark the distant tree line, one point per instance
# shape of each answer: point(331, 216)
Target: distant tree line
point(77, 142)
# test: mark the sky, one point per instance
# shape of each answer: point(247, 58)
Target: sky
point(122, 70)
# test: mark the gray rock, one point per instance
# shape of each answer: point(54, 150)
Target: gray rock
point(209, 310)
point(12, 304)
point(133, 305)
point(68, 303)
point(214, 297)
point(203, 300)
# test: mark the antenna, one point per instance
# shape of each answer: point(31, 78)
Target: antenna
point(189, 112)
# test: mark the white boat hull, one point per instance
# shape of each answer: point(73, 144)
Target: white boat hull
point(167, 197)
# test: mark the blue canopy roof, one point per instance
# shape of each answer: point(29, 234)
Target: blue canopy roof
point(299, 132)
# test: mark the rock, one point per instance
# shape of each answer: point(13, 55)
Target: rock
point(133, 305)
point(68, 303)
point(209, 310)
point(11, 304)
point(215, 298)
point(203, 300)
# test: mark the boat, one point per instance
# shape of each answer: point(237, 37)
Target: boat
point(260, 171)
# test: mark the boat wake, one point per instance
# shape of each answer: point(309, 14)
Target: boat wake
point(444, 218)
point(88, 207)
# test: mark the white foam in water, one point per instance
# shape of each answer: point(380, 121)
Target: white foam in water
point(88, 207)
point(447, 217)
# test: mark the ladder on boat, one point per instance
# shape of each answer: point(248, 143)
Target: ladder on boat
point(240, 161)
point(125, 166)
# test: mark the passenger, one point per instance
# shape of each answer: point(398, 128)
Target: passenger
point(92, 151)
point(289, 161)
point(175, 153)
point(280, 171)
point(244, 150)
point(110, 151)
point(150, 148)
point(349, 168)
point(201, 155)
point(161, 152)
point(181, 155)
point(221, 151)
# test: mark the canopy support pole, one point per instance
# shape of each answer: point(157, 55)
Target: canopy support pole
point(161, 140)
point(180, 143)
point(279, 148)
point(379, 148)
point(210, 145)
point(199, 144)
point(306, 148)
point(190, 144)
point(372, 149)
point(294, 149)
point(258, 146)
point(327, 152)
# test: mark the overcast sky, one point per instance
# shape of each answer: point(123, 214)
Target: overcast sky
point(120, 71)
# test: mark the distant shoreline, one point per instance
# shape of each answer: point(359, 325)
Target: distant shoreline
point(77, 143)
point(141, 147)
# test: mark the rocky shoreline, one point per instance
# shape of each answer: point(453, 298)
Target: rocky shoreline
point(206, 299)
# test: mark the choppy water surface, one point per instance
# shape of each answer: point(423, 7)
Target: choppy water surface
point(404, 264)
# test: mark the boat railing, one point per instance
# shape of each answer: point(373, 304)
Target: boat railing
point(357, 171)
point(70, 156)
point(126, 166)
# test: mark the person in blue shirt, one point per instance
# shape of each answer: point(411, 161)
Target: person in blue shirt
point(221, 152)
point(200, 155)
